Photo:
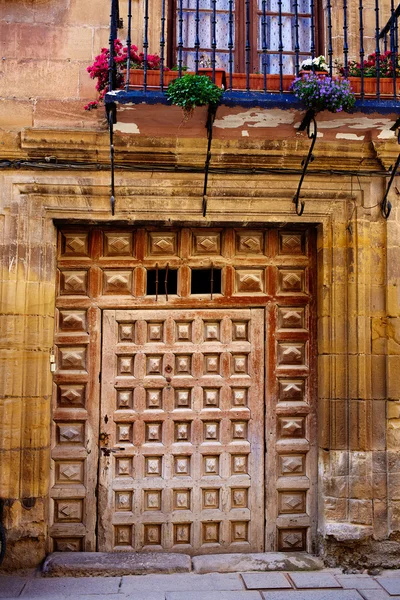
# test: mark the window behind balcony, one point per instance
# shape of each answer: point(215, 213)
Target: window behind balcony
point(265, 34)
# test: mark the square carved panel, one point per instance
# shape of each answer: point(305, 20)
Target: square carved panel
point(239, 430)
point(123, 467)
point(123, 535)
point(118, 282)
point(183, 364)
point(71, 396)
point(291, 390)
point(211, 431)
point(182, 532)
point(154, 399)
point(182, 466)
point(291, 540)
point(71, 321)
point(249, 281)
point(125, 365)
point(125, 399)
point(211, 397)
point(183, 398)
point(152, 499)
point(210, 465)
point(212, 332)
point(68, 544)
point(292, 502)
point(210, 533)
point(74, 283)
point(68, 471)
point(290, 465)
point(153, 432)
point(291, 354)
point(239, 498)
point(291, 318)
point(155, 332)
point(154, 364)
point(240, 364)
point(71, 433)
point(249, 242)
point(126, 332)
point(123, 500)
point(211, 364)
point(181, 499)
point(118, 244)
point(291, 281)
point(291, 427)
point(239, 464)
point(183, 331)
point(239, 531)
point(124, 432)
point(239, 397)
point(152, 534)
point(153, 466)
point(291, 243)
point(72, 358)
point(206, 243)
point(240, 331)
point(182, 431)
point(74, 244)
point(210, 498)
point(163, 244)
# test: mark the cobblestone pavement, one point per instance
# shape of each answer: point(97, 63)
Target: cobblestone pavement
point(328, 584)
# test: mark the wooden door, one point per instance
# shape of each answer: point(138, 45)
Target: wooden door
point(182, 431)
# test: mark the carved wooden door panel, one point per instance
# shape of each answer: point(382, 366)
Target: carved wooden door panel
point(182, 431)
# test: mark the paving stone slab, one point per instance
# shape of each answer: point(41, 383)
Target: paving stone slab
point(11, 586)
point(377, 595)
point(358, 582)
point(314, 580)
point(181, 582)
point(79, 564)
point(71, 586)
point(213, 596)
point(257, 581)
point(390, 584)
point(260, 561)
point(313, 595)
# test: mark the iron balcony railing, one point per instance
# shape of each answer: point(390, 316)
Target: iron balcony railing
point(257, 45)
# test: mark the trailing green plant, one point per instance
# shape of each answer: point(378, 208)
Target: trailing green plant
point(324, 93)
point(190, 91)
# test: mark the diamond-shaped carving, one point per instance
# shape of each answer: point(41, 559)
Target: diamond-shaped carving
point(123, 501)
point(71, 396)
point(239, 531)
point(291, 243)
point(211, 398)
point(154, 365)
point(72, 321)
point(291, 390)
point(292, 464)
point(292, 502)
point(153, 466)
point(292, 427)
point(126, 332)
point(154, 332)
point(124, 432)
point(239, 331)
point(211, 332)
point(211, 364)
point(70, 472)
point(291, 281)
point(211, 465)
point(182, 533)
point(71, 433)
point(117, 282)
point(123, 467)
point(239, 364)
point(125, 399)
point(73, 282)
point(291, 539)
point(183, 332)
point(249, 242)
point(182, 398)
point(210, 499)
point(67, 472)
point(75, 244)
point(182, 465)
point(123, 535)
point(153, 432)
point(68, 511)
point(291, 318)
point(207, 244)
point(239, 498)
point(239, 464)
point(152, 500)
point(117, 244)
point(210, 533)
point(182, 432)
point(163, 244)
point(182, 364)
point(291, 354)
point(211, 431)
point(181, 500)
point(249, 281)
point(125, 365)
point(68, 544)
point(72, 358)
point(239, 396)
point(152, 534)
point(239, 430)
point(153, 398)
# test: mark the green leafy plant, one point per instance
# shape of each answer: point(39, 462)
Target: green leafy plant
point(190, 91)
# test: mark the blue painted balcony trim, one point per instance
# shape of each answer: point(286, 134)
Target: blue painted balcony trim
point(253, 99)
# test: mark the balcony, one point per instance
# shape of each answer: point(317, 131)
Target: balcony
point(254, 48)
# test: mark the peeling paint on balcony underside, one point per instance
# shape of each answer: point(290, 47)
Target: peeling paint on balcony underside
point(159, 120)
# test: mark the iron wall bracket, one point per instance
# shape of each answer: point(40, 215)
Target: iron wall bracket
point(310, 124)
point(212, 111)
point(386, 205)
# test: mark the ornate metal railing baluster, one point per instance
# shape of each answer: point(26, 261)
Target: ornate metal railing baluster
point(345, 40)
point(197, 37)
point(128, 45)
point(377, 51)
point(230, 42)
point(145, 42)
point(329, 29)
point(264, 42)
point(213, 37)
point(162, 45)
point(362, 51)
point(312, 46)
point(180, 37)
point(296, 37)
point(280, 46)
point(248, 45)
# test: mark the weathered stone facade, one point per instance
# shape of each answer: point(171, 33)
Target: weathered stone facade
point(44, 84)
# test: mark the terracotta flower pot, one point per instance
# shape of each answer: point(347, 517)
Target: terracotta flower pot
point(370, 85)
point(136, 77)
point(256, 82)
point(219, 75)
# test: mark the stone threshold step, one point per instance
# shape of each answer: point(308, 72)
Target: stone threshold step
point(107, 564)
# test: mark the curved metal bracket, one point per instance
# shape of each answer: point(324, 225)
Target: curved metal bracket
point(386, 205)
point(111, 119)
point(212, 111)
point(310, 123)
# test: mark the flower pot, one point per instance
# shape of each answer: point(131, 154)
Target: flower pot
point(309, 71)
point(256, 82)
point(219, 75)
point(136, 78)
point(370, 85)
